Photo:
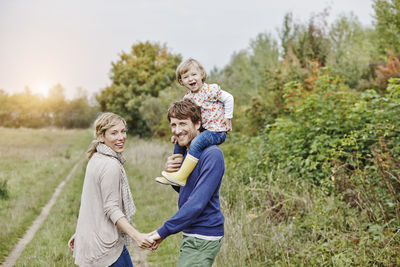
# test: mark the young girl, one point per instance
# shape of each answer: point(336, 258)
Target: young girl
point(216, 114)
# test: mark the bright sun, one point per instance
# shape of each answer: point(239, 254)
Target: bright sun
point(41, 88)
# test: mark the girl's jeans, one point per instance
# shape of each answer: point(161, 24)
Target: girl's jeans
point(205, 139)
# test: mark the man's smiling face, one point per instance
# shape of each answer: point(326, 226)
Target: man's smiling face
point(184, 130)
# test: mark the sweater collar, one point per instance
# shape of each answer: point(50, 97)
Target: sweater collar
point(106, 150)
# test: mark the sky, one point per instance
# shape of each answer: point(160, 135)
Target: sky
point(73, 42)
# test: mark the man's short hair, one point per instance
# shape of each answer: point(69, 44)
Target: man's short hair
point(184, 109)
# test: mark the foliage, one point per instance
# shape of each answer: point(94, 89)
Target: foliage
point(321, 127)
point(306, 42)
point(275, 218)
point(387, 16)
point(154, 110)
point(243, 76)
point(145, 71)
point(246, 75)
point(35, 111)
point(353, 48)
point(382, 72)
point(3, 189)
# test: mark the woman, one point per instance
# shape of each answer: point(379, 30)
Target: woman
point(105, 216)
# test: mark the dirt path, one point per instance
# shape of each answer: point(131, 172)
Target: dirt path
point(17, 250)
point(138, 255)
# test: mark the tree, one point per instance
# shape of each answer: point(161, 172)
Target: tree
point(387, 15)
point(56, 103)
point(352, 49)
point(148, 69)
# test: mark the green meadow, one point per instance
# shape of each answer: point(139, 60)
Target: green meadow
point(281, 221)
point(56, 152)
point(32, 164)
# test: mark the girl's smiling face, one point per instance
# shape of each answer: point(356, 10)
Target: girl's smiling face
point(192, 79)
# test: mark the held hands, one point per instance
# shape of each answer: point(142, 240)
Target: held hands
point(157, 240)
point(149, 241)
point(144, 241)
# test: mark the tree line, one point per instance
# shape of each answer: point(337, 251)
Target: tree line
point(35, 111)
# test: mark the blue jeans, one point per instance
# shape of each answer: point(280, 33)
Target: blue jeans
point(205, 139)
point(124, 260)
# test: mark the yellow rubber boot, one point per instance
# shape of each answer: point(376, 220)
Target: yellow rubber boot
point(162, 180)
point(186, 169)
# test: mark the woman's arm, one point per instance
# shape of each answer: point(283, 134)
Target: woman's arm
point(143, 240)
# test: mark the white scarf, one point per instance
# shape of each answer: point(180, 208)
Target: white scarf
point(128, 205)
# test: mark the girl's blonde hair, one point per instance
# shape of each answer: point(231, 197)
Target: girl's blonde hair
point(186, 65)
point(103, 122)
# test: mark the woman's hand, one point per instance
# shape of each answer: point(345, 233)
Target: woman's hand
point(71, 242)
point(144, 240)
point(173, 162)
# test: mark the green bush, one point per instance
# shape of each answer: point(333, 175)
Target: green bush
point(330, 125)
point(3, 189)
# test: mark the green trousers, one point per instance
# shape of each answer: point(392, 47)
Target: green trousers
point(196, 252)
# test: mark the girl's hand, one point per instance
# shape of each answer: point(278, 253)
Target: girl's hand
point(174, 139)
point(227, 123)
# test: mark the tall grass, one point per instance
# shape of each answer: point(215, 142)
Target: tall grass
point(33, 162)
point(155, 203)
point(273, 219)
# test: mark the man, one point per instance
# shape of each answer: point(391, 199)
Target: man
point(199, 216)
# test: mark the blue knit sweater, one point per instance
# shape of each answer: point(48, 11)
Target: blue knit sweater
point(199, 207)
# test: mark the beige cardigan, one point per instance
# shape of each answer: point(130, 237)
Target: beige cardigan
point(98, 241)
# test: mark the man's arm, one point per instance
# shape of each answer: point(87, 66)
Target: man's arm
point(211, 173)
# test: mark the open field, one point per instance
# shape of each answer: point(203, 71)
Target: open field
point(279, 221)
point(155, 203)
point(33, 163)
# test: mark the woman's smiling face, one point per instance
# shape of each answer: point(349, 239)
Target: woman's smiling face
point(115, 137)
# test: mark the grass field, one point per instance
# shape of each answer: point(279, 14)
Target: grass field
point(155, 203)
point(33, 163)
point(280, 222)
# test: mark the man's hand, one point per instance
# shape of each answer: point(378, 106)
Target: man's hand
point(227, 123)
point(173, 162)
point(157, 238)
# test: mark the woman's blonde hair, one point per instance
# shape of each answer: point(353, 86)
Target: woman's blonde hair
point(103, 122)
point(186, 65)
